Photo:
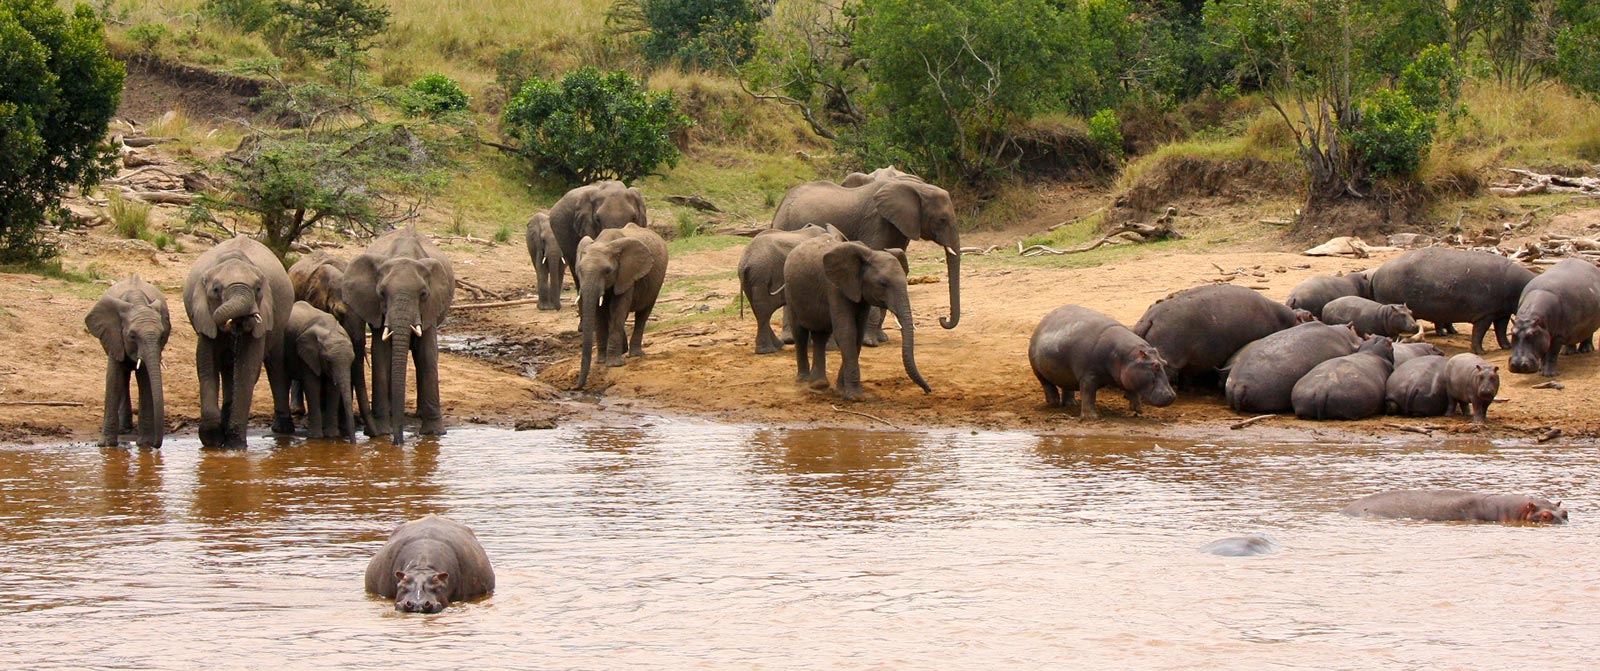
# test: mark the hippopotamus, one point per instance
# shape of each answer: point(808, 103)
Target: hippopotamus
point(1472, 383)
point(1560, 307)
point(1262, 376)
point(1313, 294)
point(428, 564)
point(1346, 387)
point(1370, 317)
point(1077, 349)
point(1453, 505)
point(1445, 286)
point(1249, 545)
point(1417, 389)
point(1197, 329)
point(1404, 352)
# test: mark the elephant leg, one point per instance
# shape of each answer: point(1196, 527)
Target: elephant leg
point(873, 334)
point(640, 318)
point(818, 378)
point(767, 342)
point(358, 376)
point(278, 381)
point(378, 420)
point(125, 409)
point(225, 358)
point(205, 363)
point(786, 334)
point(297, 398)
point(246, 372)
point(333, 424)
point(425, 355)
point(313, 388)
point(848, 330)
point(111, 414)
point(802, 358)
point(617, 333)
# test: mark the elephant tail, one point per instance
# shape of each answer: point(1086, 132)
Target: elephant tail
point(744, 288)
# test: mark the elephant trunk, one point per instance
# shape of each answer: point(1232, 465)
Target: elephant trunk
point(345, 407)
point(588, 312)
point(952, 261)
point(908, 357)
point(240, 303)
point(399, 324)
point(152, 401)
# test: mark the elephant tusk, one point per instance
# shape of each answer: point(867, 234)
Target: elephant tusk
point(778, 290)
point(951, 251)
point(386, 333)
point(416, 329)
point(256, 316)
point(137, 363)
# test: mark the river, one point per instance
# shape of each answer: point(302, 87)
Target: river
point(682, 544)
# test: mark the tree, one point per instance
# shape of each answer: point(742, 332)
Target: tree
point(806, 60)
point(341, 30)
point(594, 125)
point(697, 32)
point(59, 88)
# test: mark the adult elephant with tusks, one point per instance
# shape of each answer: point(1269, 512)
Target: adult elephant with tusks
point(622, 272)
point(238, 297)
point(587, 210)
point(883, 213)
point(402, 287)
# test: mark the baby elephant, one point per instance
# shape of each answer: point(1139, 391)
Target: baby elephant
point(1075, 349)
point(620, 273)
point(1471, 383)
point(132, 323)
point(428, 564)
point(318, 357)
point(1370, 317)
point(1452, 505)
point(548, 265)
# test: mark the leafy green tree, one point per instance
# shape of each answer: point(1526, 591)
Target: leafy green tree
point(1578, 48)
point(1394, 135)
point(697, 32)
point(806, 60)
point(328, 28)
point(59, 88)
point(433, 95)
point(594, 125)
point(247, 16)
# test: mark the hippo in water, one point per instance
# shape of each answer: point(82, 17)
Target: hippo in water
point(1316, 292)
point(1346, 387)
point(1196, 330)
point(1261, 378)
point(1078, 349)
point(428, 564)
point(1446, 286)
point(1559, 308)
point(1249, 545)
point(1452, 505)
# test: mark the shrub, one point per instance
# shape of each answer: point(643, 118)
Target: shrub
point(1394, 135)
point(1105, 129)
point(244, 15)
point(697, 32)
point(130, 219)
point(148, 35)
point(435, 94)
point(328, 28)
point(59, 87)
point(502, 234)
point(594, 126)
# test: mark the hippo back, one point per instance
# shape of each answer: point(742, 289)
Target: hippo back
point(474, 575)
point(1263, 376)
point(1444, 285)
point(1196, 330)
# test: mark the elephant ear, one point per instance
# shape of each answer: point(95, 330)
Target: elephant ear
point(309, 348)
point(634, 261)
point(855, 179)
point(900, 255)
point(643, 220)
point(899, 202)
point(583, 246)
point(104, 321)
point(842, 266)
point(835, 232)
point(441, 290)
point(360, 289)
point(584, 216)
point(194, 302)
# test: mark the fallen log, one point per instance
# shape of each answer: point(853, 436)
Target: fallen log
point(495, 304)
point(146, 141)
point(1258, 418)
point(48, 404)
point(160, 197)
point(695, 201)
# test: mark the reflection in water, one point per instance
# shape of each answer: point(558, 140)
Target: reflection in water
point(678, 544)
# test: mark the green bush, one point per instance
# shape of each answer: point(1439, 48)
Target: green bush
point(1393, 136)
point(1578, 57)
point(130, 219)
point(1433, 81)
point(59, 87)
point(148, 35)
point(1105, 130)
point(698, 32)
point(331, 28)
point(435, 94)
point(594, 125)
point(244, 15)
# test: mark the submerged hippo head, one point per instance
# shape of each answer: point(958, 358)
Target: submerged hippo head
point(1145, 373)
point(1540, 511)
point(421, 589)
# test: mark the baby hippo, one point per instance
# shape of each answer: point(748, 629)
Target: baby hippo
point(1347, 387)
point(1453, 505)
point(1416, 389)
point(1411, 350)
point(1471, 383)
point(1078, 349)
point(1560, 307)
point(429, 563)
point(1370, 317)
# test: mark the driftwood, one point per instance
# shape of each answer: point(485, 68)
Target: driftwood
point(1549, 385)
point(1535, 183)
point(696, 201)
point(1550, 435)
point(886, 422)
point(478, 291)
point(1258, 418)
point(743, 230)
point(1407, 427)
point(978, 251)
point(1161, 230)
point(160, 197)
point(146, 141)
point(1346, 246)
point(463, 238)
point(495, 304)
point(48, 404)
point(1070, 222)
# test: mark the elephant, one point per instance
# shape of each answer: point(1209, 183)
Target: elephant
point(761, 276)
point(829, 286)
point(548, 266)
point(238, 297)
point(624, 270)
point(587, 210)
point(883, 213)
point(132, 323)
point(855, 179)
point(319, 280)
point(319, 356)
point(402, 287)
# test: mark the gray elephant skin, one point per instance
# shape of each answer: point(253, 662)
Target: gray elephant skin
point(402, 287)
point(319, 280)
point(622, 274)
point(1314, 293)
point(1453, 505)
point(318, 355)
point(238, 297)
point(1370, 317)
point(1472, 385)
point(548, 266)
point(856, 179)
point(1197, 330)
point(132, 323)
point(428, 564)
point(1263, 374)
point(1417, 389)
point(883, 213)
point(1559, 309)
point(1404, 352)
point(761, 276)
point(1446, 286)
point(829, 287)
point(1347, 387)
point(1075, 349)
point(587, 210)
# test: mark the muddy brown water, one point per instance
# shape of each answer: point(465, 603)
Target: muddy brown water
point(682, 544)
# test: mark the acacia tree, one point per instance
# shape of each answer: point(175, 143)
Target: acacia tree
point(806, 60)
point(59, 87)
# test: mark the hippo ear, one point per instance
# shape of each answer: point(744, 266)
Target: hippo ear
point(1528, 510)
point(399, 575)
point(442, 576)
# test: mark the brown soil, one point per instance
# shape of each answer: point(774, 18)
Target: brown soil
point(155, 85)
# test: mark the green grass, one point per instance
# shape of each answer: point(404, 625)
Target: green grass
point(703, 243)
point(502, 234)
point(52, 269)
point(130, 219)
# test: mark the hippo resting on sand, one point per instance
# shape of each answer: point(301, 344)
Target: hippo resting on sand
point(429, 563)
point(1452, 505)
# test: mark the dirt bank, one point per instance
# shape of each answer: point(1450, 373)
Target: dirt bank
point(511, 364)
